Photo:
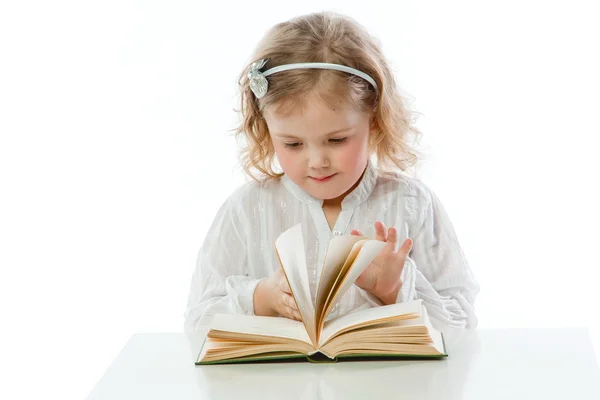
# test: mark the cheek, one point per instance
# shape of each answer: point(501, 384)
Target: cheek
point(286, 158)
point(354, 155)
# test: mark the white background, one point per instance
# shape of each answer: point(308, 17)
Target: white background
point(115, 153)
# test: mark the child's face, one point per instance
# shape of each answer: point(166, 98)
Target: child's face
point(322, 150)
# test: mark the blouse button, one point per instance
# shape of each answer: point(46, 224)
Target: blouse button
point(337, 233)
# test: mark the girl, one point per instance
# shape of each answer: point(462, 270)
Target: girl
point(321, 101)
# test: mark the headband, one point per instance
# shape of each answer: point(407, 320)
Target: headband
point(260, 85)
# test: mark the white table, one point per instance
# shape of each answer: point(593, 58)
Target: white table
point(483, 364)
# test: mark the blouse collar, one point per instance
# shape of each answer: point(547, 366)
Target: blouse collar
point(353, 199)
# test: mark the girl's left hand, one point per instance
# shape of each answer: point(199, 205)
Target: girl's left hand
point(382, 277)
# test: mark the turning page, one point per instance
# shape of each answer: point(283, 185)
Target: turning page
point(290, 250)
point(367, 253)
point(361, 255)
point(337, 252)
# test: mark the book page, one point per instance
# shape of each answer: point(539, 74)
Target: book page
point(330, 296)
point(367, 253)
point(390, 312)
point(337, 253)
point(290, 250)
point(361, 255)
point(260, 326)
point(435, 335)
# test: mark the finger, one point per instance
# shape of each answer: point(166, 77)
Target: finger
point(290, 302)
point(298, 316)
point(406, 247)
point(380, 231)
point(356, 232)
point(284, 286)
point(293, 309)
point(290, 307)
point(293, 314)
point(284, 309)
point(392, 239)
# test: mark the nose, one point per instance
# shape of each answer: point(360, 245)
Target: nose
point(318, 159)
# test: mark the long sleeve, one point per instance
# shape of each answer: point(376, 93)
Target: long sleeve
point(442, 277)
point(220, 282)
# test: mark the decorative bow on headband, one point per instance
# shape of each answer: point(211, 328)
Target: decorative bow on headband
point(258, 82)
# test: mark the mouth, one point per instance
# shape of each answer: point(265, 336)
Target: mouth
point(322, 178)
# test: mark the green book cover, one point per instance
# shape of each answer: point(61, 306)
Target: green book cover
point(319, 358)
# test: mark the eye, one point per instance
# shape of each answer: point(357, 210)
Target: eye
point(337, 140)
point(293, 145)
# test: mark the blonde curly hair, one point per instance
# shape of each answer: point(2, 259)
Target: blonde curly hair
point(331, 38)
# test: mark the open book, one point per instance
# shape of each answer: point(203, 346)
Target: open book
point(390, 331)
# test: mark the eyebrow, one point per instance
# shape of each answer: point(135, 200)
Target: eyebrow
point(288, 136)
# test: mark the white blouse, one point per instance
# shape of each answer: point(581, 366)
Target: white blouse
point(239, 249)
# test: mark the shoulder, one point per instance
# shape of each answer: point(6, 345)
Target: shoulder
point(251, 194)
point(403, 185)
point(414, 196)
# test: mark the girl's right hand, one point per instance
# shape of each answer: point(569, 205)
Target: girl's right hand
point(274, 297)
